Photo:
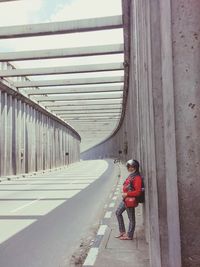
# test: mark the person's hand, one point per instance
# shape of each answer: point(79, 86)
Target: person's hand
point(124, 195)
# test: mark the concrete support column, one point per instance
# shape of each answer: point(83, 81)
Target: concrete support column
point(27, 144)
point(63, 146)
point(18, 136)
point(169, 136)
point(44, 141)
point(185, 25)
point(33, 150)
point(157, 182)
point(38, 140)
point(49, 141)
point(70, 152)
point(41, 140)
point(15, 149)
point(67, 147)
point(22, 141)
point(9, 132)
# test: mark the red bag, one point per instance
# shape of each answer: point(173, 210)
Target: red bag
point(130, 202)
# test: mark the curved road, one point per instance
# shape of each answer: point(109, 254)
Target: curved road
point(43, 217)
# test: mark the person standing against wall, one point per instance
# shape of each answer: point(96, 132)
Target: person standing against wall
point(132, 188)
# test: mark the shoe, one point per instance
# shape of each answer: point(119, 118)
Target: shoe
point(125, 237)
point(120, 235)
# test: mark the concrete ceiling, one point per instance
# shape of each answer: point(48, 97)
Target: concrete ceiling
point(89, 95)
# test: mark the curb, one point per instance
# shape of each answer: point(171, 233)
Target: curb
point(104, 230)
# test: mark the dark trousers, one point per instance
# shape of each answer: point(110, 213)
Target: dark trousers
point(131, 216)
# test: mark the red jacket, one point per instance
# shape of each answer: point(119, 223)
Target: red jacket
point(136, 184)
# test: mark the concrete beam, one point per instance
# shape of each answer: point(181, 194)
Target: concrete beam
point(81, 103)
point(85, 133)
point(105, 124)
point(62, 70)
point(86, 108)
point(80, 81)
point(82, 115)
point(97, 118)
point(102, 125)
point(82, 97)
point(102, 119)
point(95, 125)
point(92, 111)
point(63, 52)
point(77, 89)
point(98, 122)
point(62, 27)
point(110, 126)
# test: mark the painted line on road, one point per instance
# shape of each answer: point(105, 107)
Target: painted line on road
point(108, 214)
point(26, 205)
point(91, 257)
point(93, 252)
point(102, 230)
point(112, 204)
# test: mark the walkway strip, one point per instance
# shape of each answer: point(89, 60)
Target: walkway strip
point(94, 250)
point(102, 230)
point(91, 257)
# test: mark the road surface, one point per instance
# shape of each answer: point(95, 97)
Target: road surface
point(44, 217)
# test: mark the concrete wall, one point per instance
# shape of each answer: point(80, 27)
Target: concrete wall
point(186, 70)
point(162, 125)
point(31, 139)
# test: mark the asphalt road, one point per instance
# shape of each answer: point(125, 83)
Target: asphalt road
point(44, 217)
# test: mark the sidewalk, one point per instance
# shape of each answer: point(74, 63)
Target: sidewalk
point(112, 252)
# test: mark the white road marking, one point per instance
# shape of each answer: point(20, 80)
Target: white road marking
point(102, 230)
point(108, 214)
point(91, 257)
point(112, 204)
point(26, 205)
point(114, 198)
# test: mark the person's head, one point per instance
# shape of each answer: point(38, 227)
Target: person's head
point(132, 165)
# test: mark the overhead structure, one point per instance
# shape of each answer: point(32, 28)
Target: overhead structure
point(83, 25)
point(88, 96)
point(63, 53)
point(8, 0)
point(62, 70)
point(72, 81)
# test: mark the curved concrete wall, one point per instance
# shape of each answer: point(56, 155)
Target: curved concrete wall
point(31, 138)
point(161, 127)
